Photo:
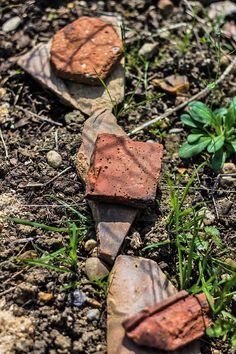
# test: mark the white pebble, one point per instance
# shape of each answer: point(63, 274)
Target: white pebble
point(54, 159)
point(93, 314)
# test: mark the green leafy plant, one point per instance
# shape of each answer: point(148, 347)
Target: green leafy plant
point(213, 131)
point(224, 327)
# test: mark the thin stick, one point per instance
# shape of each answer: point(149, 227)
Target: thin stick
point(199, 95)
point(43, 118)
point(48, 182)
point(4, 145)
point(215, 206)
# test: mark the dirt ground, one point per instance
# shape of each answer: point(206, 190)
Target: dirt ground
point(59, 325)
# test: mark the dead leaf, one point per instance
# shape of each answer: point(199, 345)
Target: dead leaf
point(173, 84)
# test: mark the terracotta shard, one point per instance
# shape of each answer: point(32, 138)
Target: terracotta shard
point(112, 221)
point(86, 98)
point(170, 324)
point(123, 171)
point(175, 84)
point(135, 284)
point(85, 50)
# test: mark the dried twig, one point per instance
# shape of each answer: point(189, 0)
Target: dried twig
point(4, 144)
point(43, 118)
point(199, 95)
point(220, 175)
point(48, 182)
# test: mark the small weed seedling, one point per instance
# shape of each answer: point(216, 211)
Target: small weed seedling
point(62, 260)
point(199, 250)
point(213, 131)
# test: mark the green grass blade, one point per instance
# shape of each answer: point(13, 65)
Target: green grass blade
point(40, 263)
point(37, 225)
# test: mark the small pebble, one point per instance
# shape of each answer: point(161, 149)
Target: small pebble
point(148, 50)
point(79, 298)
point(90, 245)
point(209, 217)
point(45, 297)
point(11, 24)
point(93, 302)
point(225, 60)
point(54, 159)
point(95, 268)
point(229, 167)
point(93, 314)
point(166, 7)
point(74, 117)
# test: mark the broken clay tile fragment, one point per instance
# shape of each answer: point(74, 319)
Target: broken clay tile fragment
point(112, 221)
point(86, 50)
point(170, 324)
point(124, 171)
point(175, 84)
point(134, 284)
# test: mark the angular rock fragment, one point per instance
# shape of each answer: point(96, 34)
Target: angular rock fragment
point(170, 324)
point(112, 221)
point(175, 84)
point(135, 283)
point(95, 268)
point(37, 63)
point(124, 171)
point(86, 50)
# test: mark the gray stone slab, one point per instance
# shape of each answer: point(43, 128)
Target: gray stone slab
point(86, 98)
point(135, 284)
point(112, 221)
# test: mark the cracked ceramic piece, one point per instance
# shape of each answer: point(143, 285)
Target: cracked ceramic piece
point(86, 50)
point(86, 98)
point(171, 323)
point(124, 171)
point(135, 283)
point(112, 221)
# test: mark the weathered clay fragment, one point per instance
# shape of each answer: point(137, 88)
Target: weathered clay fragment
point(112, 221)
point(124, 171)
point(86, 50)
point(135, 284)
point(175, 84)
point(170, 324)
point(37, 63)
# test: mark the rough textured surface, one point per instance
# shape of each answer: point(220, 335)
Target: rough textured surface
point(124, 171)
point(95, 268)
point(112, 221)
point(135, 283)
point(85, 50)
point(15, 329)
point(175, 84)
point(170, 324)
point(37, 63)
